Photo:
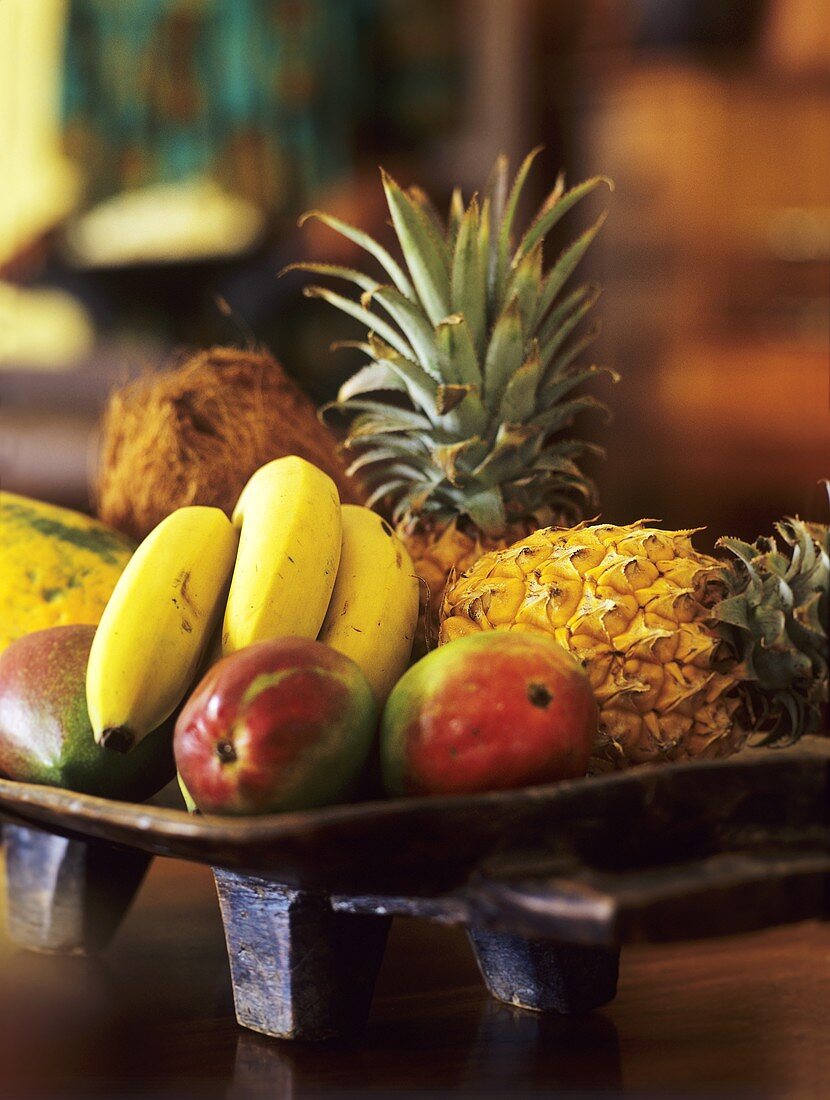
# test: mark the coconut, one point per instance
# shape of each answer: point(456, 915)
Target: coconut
point(194, 434)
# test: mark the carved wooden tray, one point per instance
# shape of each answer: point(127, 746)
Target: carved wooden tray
point(550, 880)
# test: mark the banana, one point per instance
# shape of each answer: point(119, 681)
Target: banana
point(156, 624)
point(374, 606)
point(289, 550)
point(189, 804)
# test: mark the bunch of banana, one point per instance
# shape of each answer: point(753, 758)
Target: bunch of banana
point(157, 623)
point(309, 568)
point(291, 563)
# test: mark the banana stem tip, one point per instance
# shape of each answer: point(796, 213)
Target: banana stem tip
point(118, 739)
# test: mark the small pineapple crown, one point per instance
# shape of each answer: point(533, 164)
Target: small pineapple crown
point(776, 620)
point(471, 386)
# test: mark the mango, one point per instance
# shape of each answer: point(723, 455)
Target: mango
point(285, 724)
point(45, 732)
point(489, 711)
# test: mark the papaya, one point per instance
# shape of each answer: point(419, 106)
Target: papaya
point(57, 567)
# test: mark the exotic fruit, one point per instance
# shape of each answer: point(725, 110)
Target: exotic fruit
point(195, 433)
point(158, 624)
point(373, 611)
point(281, 725)
point(686, 654)
point(459, 421)
point(290, 534)
point(488, 712)
point(45, 731)
point(57, 566)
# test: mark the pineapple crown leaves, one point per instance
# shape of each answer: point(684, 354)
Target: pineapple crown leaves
point(465, 403)
point(776, 619)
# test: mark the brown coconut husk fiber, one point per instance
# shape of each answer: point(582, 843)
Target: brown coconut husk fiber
point(195, 433)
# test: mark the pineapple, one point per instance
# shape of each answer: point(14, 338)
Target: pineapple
point(458, 419)
point(686, 654)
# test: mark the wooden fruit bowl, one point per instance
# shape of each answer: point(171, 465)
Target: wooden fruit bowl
point(550, 881)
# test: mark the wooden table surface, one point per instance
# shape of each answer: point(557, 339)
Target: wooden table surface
point(745, 1016)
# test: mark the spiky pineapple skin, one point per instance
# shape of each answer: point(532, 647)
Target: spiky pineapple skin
point(633, 603)
point(439, 551)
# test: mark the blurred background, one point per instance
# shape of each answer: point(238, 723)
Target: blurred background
point(156, 155)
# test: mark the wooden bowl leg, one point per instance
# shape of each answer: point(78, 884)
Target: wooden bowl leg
point(67, 895)
point(544, 975)
point(299, 969)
